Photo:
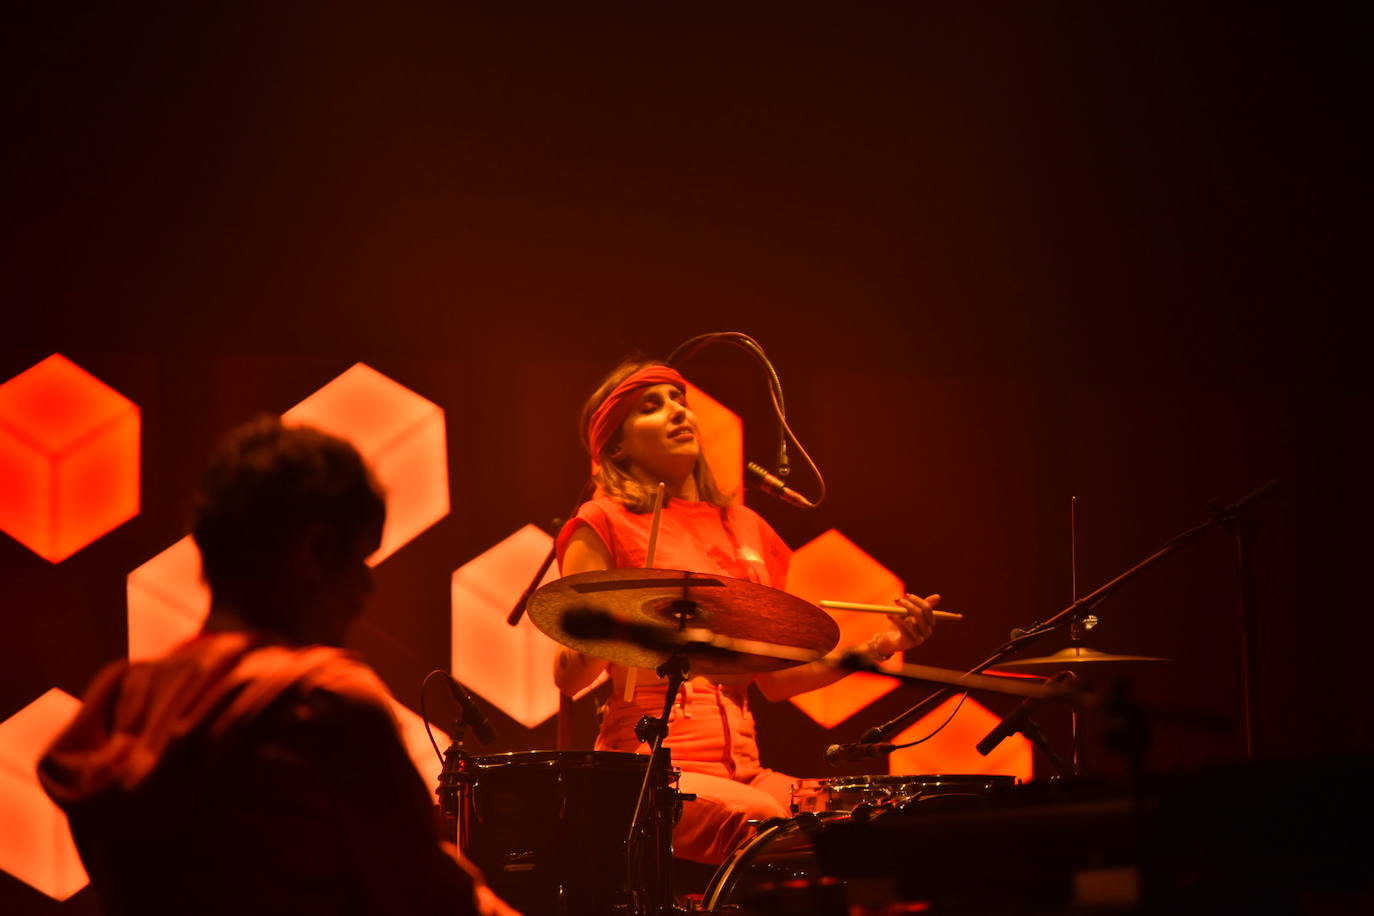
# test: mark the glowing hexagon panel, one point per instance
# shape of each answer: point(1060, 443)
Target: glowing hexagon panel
point(69, 458)
point(722, 438)
point(36, 844)
point(954, 750)
point(832, 567)
point(168, 600)
point(510, 666)
point(415, 737)
point(400, 434)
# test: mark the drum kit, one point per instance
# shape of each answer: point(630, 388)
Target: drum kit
point(589, 832)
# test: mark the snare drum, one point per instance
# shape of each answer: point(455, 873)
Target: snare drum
point(549, 830)
point(850, 793)
point(778, 870)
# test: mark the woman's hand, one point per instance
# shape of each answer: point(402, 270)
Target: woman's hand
point(909, 630)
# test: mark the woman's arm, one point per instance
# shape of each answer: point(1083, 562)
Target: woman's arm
point(572, 670)
point(905, 633)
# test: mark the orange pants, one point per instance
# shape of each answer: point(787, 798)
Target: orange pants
point(712, 740)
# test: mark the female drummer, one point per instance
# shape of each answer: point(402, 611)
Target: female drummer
point(640, 431)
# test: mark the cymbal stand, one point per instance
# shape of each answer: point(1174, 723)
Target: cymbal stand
point(1225, 516)
point(654, 732)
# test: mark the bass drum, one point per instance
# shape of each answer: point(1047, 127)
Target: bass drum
point(782, 855)
point(550, 830)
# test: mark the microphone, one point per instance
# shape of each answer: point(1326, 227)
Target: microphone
point(472, 715)
point(841, 753)
point(1009, 726)
point(756, 476)
point(1020, 721)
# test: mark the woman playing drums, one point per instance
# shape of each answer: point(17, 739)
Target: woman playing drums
point(640, 431)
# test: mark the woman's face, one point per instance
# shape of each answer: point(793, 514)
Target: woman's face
point(660, 435)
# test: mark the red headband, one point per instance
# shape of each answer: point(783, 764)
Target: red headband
point(609, 416)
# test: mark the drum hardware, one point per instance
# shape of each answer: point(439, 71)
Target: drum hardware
point(595, 612)
point(455, 759)
point(779, 870)
point(546, 828)
point(1233, 518)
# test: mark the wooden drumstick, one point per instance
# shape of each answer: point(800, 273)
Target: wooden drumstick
point(884, 609)
point(653, 527)
point(633, 674)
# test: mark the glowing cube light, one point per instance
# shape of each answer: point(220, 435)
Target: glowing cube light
point(168, 601)
point(400, 434)
point(36, 844)
point(722, 439)
point(69, 455)
point(832, 567)
point(954, 750)
point(510, 666)
point(416, 738)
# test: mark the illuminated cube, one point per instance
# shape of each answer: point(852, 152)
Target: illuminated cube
point(69, 456)
point(954, 749)
point(510, 666)
point(416, 737)
point(168, 600)
point(400, 434)
point(833, 568)
point(36, 844)
point(722, 438)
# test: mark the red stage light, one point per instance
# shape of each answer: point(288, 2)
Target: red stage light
point(36, 844)
point(510, 666)
point(69, 458)
point(832, 567)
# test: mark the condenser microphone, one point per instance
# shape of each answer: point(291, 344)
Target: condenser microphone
point(757, 477)
point(472, 714)
point(844, 753)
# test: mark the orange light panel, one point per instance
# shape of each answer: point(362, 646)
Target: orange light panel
point(35, 843)
point(402, 437)
point(954, 750)
point(168, 600)
point(722, 437)
point(832, 567)
point(510, 666)
point(416, 741)
point(69, 453)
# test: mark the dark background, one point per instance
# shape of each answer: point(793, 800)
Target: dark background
point(999, 259)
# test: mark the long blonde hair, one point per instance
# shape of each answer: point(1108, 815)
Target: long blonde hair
point(613, 477)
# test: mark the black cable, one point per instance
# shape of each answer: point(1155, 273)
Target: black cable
point(952, 714)
point(425, 717)
point(744, 342)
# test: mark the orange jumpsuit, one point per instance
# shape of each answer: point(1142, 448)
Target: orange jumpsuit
point(711, 730)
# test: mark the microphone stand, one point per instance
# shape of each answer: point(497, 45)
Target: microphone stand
point(519, 610)
point(1231, 517)
point(457, 773)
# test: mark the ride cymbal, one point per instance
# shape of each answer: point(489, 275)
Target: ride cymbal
point(1074, 657)
point(670, 599)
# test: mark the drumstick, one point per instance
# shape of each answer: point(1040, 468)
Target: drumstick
point(653, 527)
point(884, 609)
point(633, 675)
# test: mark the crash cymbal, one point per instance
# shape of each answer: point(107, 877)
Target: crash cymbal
point(734, 608)
point(1074, 657)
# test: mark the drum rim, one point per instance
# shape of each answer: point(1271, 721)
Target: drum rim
point(628, 759)
point(887, 779)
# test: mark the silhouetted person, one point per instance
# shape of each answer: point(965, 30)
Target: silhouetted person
point(257, 767)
